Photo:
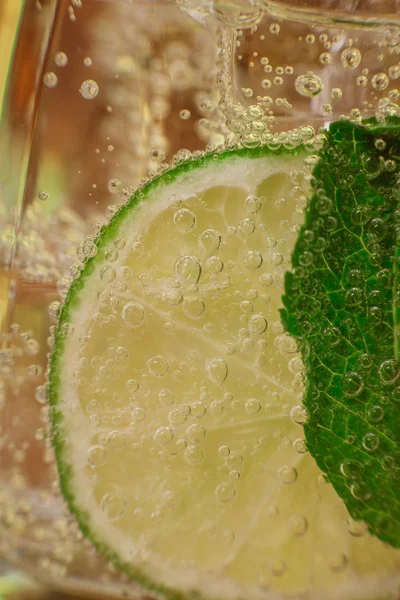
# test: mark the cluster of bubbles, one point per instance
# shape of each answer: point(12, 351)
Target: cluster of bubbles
point(333, 73)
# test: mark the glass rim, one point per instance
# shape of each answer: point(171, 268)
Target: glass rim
point(331, 16)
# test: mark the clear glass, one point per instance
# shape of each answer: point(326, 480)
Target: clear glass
point(99, 93)
point(93, 103)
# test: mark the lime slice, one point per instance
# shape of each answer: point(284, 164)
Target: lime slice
point(176, 396)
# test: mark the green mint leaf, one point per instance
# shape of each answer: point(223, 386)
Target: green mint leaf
point(342, 305)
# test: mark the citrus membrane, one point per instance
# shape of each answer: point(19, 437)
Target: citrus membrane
point(176, 395)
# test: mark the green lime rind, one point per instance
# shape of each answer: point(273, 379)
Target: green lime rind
point(342, 305)
point(60, 438)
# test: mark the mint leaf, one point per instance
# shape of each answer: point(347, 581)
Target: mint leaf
point(342, 304)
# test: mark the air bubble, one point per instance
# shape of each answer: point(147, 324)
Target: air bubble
point(107, 274)
point(188, 268)
point(209, 241)
point(43, 195)
point(380, 81)
point(360, 491)
point(389, 371)
point(246, 307)
point(111, 254)
point(266, 280)
point(40, 394)
point(133, 314)
point(184, 219)
point(224, 450)
point(113, 506)
point(61, 59)
point(357, 528)
point(114, 186)
point(252, 406)
point(217, 370)
point(338, 562)
point(54, 309)
point(300, 445)
point(248, 92)
point(287, 474)
point(158, 366)
point(50, 79)
point(276, 259)
point(132, 385)
point(166, 397)
point(351, 58)
point(336, 93)
point(96, 455)
point(390, 165)
point(352, 384)
point(225, 493)
point(196, 432)
point(370, 442)
point(296, 365)
point(157, 154)
point(353, 297)
point(332, 336)
point(286, 344)
point(375, 414)
point(215, 264)
point(252, 204)
point(173, 297)
point(253, 260)
point(380, 144)
point(117, 440)
point(138, 415)
point(163, 436)
point(229, 348)
point(121, 354)
point(198, 409)
point(299, 414)
point(34, 370)
point(257, 324)
point(234, 460)
point(89, 89)
point(394, 72)
point(298, 526)
point(193, 455)
point(308, 85)
point(32, 346)
point(176, 417)
point(325, 58)
point(194, 307)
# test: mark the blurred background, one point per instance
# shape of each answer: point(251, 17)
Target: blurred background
point(12, 583)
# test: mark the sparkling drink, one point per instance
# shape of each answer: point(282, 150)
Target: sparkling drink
point(99, 95)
